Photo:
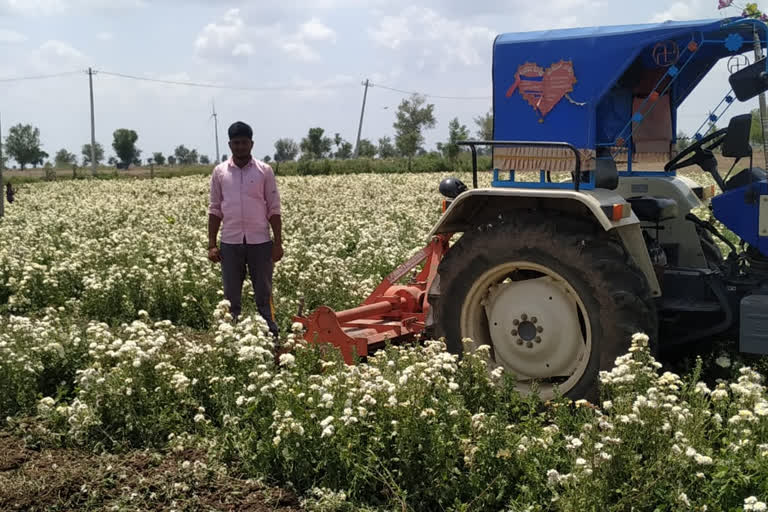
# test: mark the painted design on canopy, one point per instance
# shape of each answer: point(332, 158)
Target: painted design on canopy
point(544, 88)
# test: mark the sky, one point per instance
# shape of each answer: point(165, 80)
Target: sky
point(297, 64)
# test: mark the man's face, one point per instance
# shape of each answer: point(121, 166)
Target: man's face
point(240, 146)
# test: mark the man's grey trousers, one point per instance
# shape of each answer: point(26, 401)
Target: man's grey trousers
point(257, 258)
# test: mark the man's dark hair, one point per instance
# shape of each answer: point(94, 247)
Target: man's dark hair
point(240, 129)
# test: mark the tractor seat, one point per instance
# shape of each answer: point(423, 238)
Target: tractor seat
point(653, 209)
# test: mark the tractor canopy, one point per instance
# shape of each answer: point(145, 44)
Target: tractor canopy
point(616, 87)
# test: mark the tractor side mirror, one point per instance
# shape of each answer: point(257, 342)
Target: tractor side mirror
point(452, 187)
point(736, 143)
point(750, 81)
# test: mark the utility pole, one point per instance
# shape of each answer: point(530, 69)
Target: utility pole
point(216, 131)
point(2, 166)
point(93, 125)
point(360, 126)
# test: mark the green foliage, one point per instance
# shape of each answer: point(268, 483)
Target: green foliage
point(756, 130)
point(412, 118)
point(185, 156)
point(285, 150)
point(683, 141)
point(23, 144)
point(366, 149)
point(314, 145)
point(124, 144)
point(86, 153)
point(204, 160)
point(484, 126)
point(386, 149)
point(158, 158)
point(427, 163)
point(456, 132)
point(64, 158)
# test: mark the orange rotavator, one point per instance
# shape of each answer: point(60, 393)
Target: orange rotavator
point(392, 312)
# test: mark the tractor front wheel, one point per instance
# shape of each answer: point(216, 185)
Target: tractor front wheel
point(555, 299)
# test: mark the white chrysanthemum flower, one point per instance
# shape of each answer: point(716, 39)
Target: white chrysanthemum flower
point(287, 360)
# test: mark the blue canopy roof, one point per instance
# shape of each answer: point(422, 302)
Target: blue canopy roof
point(580, 83)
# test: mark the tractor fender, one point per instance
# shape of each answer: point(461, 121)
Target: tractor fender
point(484, 205)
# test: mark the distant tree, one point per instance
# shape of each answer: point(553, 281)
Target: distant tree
point(185, 156)
point(285, 150)
point(683, 141)
point(171, 160)
point(23, 144)
point(86, 152)
point(366, 149)
point(412, 118)
point(456, 132)
point(64, 158)
point(266, 159)
point(485, 126)
point(40, 159)
point(204, 160)
point(386, 148)
point(344, 151)
point(314, 145)
point(124, 144)
point(158, 158)
point(112, 161)
point(224, 157)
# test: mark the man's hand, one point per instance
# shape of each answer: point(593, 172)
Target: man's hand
point(214, 255)
point(277, 252)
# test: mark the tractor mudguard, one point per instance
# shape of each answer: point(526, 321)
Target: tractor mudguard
point(612, 211)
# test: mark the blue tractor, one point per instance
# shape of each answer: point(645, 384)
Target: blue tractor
point(556, 273)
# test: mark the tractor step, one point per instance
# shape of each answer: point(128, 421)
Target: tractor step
point(691, 306)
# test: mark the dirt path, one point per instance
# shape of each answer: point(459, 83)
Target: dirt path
point(55, 480)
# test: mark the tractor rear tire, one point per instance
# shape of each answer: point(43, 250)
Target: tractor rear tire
point(521, 262)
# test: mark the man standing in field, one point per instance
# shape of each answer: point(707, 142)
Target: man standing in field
point(244, 202)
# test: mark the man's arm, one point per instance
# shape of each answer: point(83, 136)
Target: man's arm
point(214, 218)
point(272, 197)
point(277, 228)
point(213, 229)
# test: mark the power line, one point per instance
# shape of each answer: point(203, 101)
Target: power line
point(234, 87)
point(432, 95)
point(219, 86)
point(39, 77)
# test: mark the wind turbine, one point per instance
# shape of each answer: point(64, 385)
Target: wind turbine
point(216, 130)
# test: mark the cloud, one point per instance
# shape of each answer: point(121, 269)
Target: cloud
point(55, 7)
point(54, 55)
point(690, 10)
point(314, 30)
point(229, 37)
point(222, 36)
point(428, 37)
point(104, 36)
point(11, 37)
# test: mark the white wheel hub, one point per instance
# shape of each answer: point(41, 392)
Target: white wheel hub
point(534, 328)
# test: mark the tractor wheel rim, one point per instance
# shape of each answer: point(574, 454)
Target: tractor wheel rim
point(535, 323)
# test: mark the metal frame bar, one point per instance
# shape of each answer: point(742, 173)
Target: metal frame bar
point(517, 143)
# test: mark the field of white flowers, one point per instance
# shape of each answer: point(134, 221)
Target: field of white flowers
point(113, 337)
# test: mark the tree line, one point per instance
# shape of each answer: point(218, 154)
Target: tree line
point(23, 145)
point(412, 118)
